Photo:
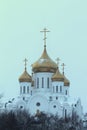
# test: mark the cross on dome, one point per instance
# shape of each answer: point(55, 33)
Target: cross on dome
point(25, 63)
point(63, 65)
point(45, 31)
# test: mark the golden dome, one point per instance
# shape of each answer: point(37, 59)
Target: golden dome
point(66, 81)
point(44, 64)
point(57, 76)
point(25, 77)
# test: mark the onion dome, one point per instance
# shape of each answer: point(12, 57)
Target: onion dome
point(25, 77)
point(66, 81)
point(44, 64)
point(57, 76)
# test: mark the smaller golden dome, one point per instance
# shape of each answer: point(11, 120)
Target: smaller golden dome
point(66, 81)
point(57, 76)
point(25, 77)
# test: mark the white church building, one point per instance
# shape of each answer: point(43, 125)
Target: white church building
point(46, 90)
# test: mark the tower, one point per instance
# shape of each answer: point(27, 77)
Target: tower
point(66, 82)
point(25, 82)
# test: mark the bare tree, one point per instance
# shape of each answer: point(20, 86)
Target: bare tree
point(21, 120)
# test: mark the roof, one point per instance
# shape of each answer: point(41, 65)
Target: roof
point(44, 63)
point(25, 77)
point(57, 76)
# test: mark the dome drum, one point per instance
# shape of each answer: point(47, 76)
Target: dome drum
point(58, 79)
point(66, 84)
point(44, 69)
point(24, 80)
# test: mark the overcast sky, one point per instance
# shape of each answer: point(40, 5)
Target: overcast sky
point(20, 24)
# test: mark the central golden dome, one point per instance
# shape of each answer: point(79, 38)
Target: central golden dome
point(44, 64)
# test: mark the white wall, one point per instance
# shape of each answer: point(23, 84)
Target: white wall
point(26, 84)
point(57, 83)
point(44, 75)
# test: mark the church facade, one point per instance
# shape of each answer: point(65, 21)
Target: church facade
point(47, 90)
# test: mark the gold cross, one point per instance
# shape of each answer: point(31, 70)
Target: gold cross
point(58, 59)
point(25, 63)
point(63, 65)
point(45, 31)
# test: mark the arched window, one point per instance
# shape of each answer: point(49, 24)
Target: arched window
point(66, 92)
point(65, 113)
point(21, 107)
point(20, 89)
point(53, 89)
point(57, 89)
point(42, 82)
point(50, 98)
point(27, 89)
point(31, 92)
point(47, 82)
point(23, 98)
point(24, 89)
point(60, 88)
point(37, 82)
point(56, 98)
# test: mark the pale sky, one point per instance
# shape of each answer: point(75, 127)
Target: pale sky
point(20, 24)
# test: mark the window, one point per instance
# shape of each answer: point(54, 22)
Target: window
point(54, 106)
point(56, 98)
point(50, 98)
point(66, 92)
point(31, 92)
point(47, 82)
point(42, 82)
point(21, 107)
point(38, 104)
point(60, 88)
point(75, 105)
point(20, 89)
point(65, 113)
point(53, 89)
point(27, 89)
point(37, 82)
point(57, 89)
point(24, 89)
point(23, 98)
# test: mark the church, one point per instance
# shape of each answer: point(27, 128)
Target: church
point(46, 90)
